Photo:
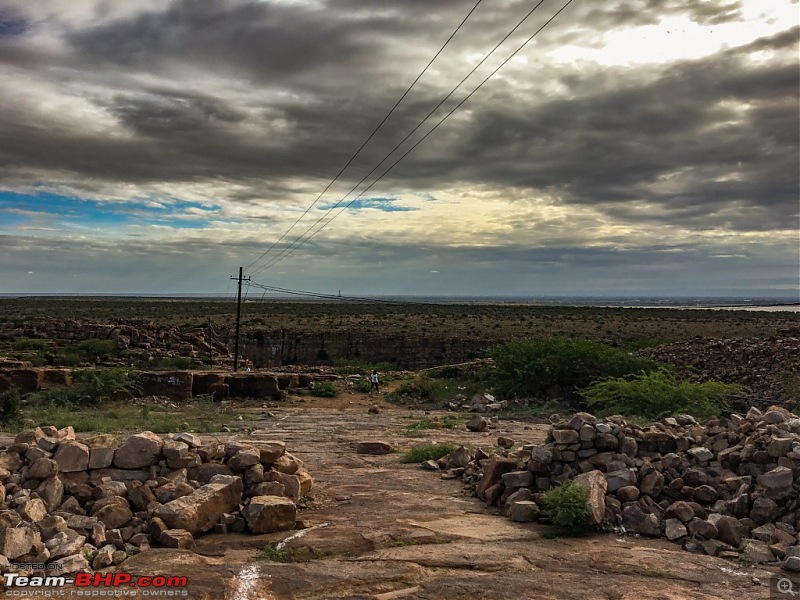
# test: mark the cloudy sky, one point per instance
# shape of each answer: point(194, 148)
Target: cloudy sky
point(632, 147)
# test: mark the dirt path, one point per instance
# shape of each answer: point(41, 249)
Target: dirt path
point(382, 530)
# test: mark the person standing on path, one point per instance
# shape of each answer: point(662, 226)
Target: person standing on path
point(373, 382)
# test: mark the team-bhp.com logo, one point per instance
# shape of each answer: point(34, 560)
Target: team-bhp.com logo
point(95, 585)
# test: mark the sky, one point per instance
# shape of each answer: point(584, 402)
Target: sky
point(632, 147)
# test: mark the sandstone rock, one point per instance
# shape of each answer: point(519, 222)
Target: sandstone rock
point(620, 478)
point(139, 450)
point(51, 491)
point(43, 468)
point(206, 472)
point(16, 542)
point(755, 551)
point(70, 564)
point(674, 530)
point(523, 511)
point(176, 454)
point(190, 439)
point(199, 511)
point(244, 458)
point(628, 493)
point(271, 450)
point(458, 458)
point(565, 436)
point(290, 483)
point(730, 530)
point(792, 563)
point(33, 510)
point(596, 486)
point(634, 519)
point(266, 514)
point(700, 454)
point(680, 510)
point(652, 484)
point(505, 442)
point(477, 423)
point(373, 447)
point(72, 456)
point(269, 488)
point(493, 470)
point(176, 538)
point(113, 512)
point(104, 557)
point(66, 547)
point(777, 483)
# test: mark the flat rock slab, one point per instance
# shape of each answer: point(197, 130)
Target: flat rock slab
point(378, 527)
point(200, 511)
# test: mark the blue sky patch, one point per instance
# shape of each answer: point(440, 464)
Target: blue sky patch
point(383, 204)
point(34, 209)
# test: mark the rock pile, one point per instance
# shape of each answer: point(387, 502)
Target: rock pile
point(768, 366)
point(729, 486)
point(71, 505)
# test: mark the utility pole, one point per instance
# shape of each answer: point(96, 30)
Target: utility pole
point(238, 319)
point(210, 345)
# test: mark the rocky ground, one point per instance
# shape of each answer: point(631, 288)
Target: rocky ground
point(378, 529)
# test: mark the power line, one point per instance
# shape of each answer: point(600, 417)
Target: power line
point(321, 296)
point(300, 241)
point(294, 244)
point(371, 135)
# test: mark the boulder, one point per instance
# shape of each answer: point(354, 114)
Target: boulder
point(72, 456)
point(199, 512)
point(596, 486)
point(139, 450)
point(266, 514)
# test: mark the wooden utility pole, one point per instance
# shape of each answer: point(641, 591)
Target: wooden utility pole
point(238, 319)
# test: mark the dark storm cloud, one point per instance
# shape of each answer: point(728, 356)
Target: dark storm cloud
point(266, 41)
point(727, 127)
point(310, 84)
point(174, 112)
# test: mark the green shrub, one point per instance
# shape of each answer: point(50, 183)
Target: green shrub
point(325, 389)
point(659, 394)
point(566, 506)
point(174, 363)
point(90, 351)
point(419, 390)
point(364, 386)
point(26, 344)
point(353, 367)
point(91, 387)
point(425, 452)
point(9, 407)
point(557, 367)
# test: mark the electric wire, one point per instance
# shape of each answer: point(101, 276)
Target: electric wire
point(292, 246)
point(371, 135)
point(299, 242)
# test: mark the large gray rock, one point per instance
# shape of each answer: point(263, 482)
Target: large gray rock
point(139, 450)
point(16, 542)
point(596, 486)
point(523, 511)
point(199, 512)
point(43, 468)
point(777, 483)
point(266, 514)
point(72, 456)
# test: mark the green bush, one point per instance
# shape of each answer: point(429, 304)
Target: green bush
point(87, 351)
point(26, 344)
point(419, 390)
point(353, 367)
point(557, 367)
point(90, 387)
point(325, 389)
point(174, 363)
point(425, 452)
point(659, 394)
point(566, 506)
point(364, 386)
point(9, 408)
